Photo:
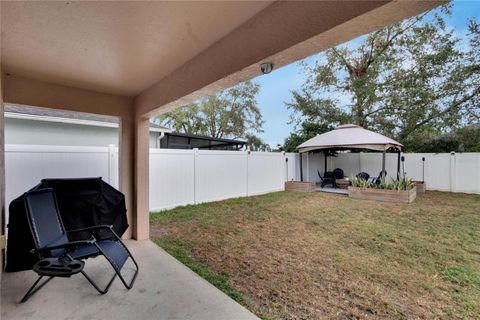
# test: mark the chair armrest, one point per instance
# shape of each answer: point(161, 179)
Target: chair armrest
point(93, 228)
point(67, 245)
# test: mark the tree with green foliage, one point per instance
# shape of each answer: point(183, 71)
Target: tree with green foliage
point(232, 113)
point(465, 139)
point(254, 143)
point(412, 81)
point(185, 119)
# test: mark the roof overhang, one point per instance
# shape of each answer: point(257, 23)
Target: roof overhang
point(154, 56)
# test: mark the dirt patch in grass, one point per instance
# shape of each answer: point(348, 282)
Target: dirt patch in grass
point(296, 255)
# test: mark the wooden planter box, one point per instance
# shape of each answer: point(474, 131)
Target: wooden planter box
point(421, 186)
point(383, 195)
point(302, 186)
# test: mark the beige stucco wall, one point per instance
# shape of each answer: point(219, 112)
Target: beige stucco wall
point(2, 171)
point(126, 164)
point(141, 219)
point(30, 92)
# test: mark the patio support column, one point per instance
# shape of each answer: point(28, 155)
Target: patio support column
point(126, 168)
point(141, 229)
point(2, 176)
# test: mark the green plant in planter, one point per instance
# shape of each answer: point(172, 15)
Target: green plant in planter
point(393, 184)
point(402, 184)
point(361, 183)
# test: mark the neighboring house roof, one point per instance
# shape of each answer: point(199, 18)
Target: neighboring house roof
point(55, 115)
point(218, 141)
point(72, 117)
point(202, 137)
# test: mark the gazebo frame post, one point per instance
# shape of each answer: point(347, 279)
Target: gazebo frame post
point(398, 164)
point(325, 162)
point(384, 158)
point(301, 166)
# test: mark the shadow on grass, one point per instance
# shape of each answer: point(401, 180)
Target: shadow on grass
point(219, 280)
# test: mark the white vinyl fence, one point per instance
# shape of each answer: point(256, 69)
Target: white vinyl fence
point(26, 165)
point(181, 177)
point(177, 177)
point(456, 172)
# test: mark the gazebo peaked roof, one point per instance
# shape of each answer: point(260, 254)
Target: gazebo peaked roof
point(350, 136)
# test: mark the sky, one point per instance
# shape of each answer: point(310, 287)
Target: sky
point(277, 87)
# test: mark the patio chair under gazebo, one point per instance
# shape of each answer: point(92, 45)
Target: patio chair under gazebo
point(350, 137)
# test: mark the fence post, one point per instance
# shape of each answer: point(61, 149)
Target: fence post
point(246, 184)
point(452, 172)
point(195, 155)
point(111, 163)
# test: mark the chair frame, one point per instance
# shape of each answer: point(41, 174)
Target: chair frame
point(381, 176)
point(338, 173)
point(327, 180)
point(71, 245)
point(361, 175)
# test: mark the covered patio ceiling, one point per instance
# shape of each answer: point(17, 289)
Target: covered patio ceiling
point(133, 60)
point(112, 47)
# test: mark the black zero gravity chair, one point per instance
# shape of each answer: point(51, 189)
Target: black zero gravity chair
point(60, 257)
point(82, 203)
point(381, 176)
point(327, 179)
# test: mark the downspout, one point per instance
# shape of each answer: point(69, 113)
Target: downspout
point(159, 138)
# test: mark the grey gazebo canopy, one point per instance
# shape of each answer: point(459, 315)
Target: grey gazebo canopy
point(348, 137)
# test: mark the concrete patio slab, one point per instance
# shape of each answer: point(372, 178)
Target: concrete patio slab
point(164, 289)
point(333, 190)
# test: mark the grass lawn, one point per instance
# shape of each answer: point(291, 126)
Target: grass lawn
point(312, 255)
